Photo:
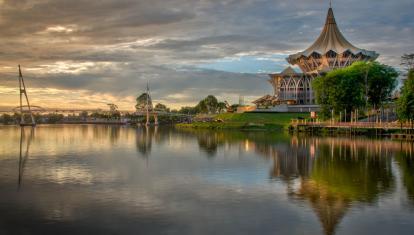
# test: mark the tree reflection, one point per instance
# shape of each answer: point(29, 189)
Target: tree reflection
point(405, 161)
point(333, 174)
point(209, 142)
point(23, 156)
point(144, 140)
point(114, 133)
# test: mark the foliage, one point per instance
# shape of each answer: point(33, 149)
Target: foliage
point(6, 119)
point(345, 89)
point(234, 106)
point(339, 90)
point(113, 108)
point(100, 115)
point(142, 101)
point(161, 107)
point(405, 104)
point(53, 118)
point(382, 80)
point(187, 110)
point(407, 60)
point(83, 114)
point(221, 107)
point(208, 105)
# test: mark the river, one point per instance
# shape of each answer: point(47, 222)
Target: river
point(86, 179)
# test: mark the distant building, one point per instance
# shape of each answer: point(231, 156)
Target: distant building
point(330, 51)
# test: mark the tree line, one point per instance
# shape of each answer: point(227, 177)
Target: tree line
point(363, 86)
point(208, 105)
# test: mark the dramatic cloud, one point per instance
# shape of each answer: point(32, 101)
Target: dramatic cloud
point(83, 53)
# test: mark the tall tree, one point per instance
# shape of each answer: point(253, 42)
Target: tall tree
point(381, 79)
point(339, 90)
point(208, 105)
point(113, 108)
point(161, 107)
point(142, 102)
point(405, 104)
point(188, 110)
point(222, 107)
point(349, 88)
point(6, 118)
point(211, 104)
point(201, 107)
point(407, 60)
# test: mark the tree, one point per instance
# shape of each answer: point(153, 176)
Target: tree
point(339, 90)
point(161, 107)
point(346, 88)
point(211, 103)
point(113, 108)
point(382, 80)
point(6, 119)
point(142, 102)
point(407, 60)
point(405, 104)
point(188, 110)
point(201, 107)
point(54, 118)
point(222, 107)
point(208, 105)
point(83, 115)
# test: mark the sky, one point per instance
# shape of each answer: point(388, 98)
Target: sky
point(86, 54)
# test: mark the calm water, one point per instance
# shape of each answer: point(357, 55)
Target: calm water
point(124, 180)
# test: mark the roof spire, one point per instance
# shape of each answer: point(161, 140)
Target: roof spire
point(330, 18)
point(330, 3)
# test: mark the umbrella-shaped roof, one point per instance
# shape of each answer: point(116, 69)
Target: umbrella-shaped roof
point(331, 39)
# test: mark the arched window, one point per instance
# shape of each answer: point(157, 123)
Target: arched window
point(292, 89)
point(301, 93)
point(331, 54)
point(283, 89)
point(346, 58)
point(301, 85)
point(308, 88)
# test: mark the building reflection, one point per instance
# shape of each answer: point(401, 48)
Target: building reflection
point(24, 151)
point(331, 175)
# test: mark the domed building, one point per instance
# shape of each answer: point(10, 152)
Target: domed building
point(330, 51)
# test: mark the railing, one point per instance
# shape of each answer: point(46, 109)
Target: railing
point(335, 124)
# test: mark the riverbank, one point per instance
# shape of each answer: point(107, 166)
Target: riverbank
point(247, 121)
point(393, 130)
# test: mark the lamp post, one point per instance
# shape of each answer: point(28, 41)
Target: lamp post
point(366, 87)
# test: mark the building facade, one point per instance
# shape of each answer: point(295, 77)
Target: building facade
point(330, 51)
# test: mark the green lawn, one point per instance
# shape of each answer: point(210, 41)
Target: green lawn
point(248, 121)
point(283, 119)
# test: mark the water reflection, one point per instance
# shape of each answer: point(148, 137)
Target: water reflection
point(331, 174)
point(406, 164)
point(228, 176)
point(343, 174)
point(209, 142)
point(144, 138)
point(24, 149)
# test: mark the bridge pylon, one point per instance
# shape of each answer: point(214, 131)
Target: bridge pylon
point(22, 89)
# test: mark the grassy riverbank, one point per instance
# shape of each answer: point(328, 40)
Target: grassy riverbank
point(248, 121)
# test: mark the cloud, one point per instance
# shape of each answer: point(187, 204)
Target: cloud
point(186, 49)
